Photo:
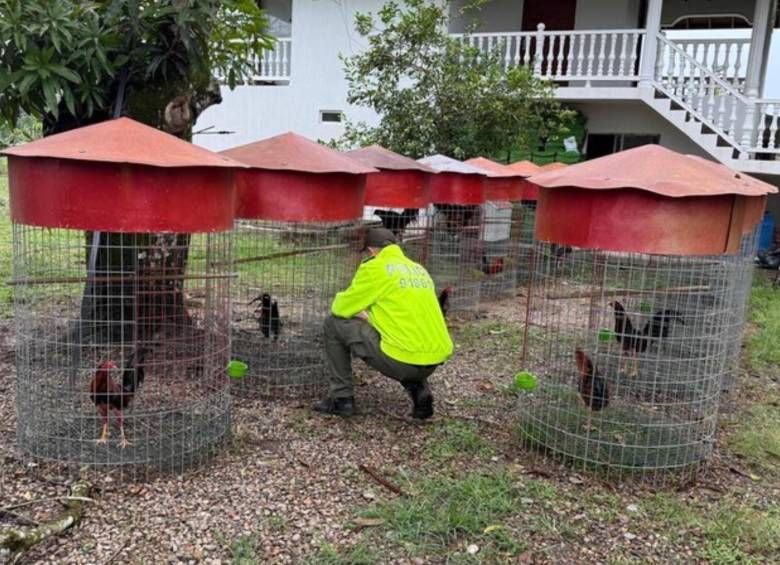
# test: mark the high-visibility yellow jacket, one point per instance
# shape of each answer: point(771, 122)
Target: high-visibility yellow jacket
point(402, 306)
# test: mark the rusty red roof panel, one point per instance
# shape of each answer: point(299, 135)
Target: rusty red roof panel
point(554, 166)
point(380, 158)
point(443, 164)
point(655, 169)
point(122, 141)
point(492, 168)
point(293, 152)
point(525, 168)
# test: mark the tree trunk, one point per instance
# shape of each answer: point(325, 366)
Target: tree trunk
point(117, 309)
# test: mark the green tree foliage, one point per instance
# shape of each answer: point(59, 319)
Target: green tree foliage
point(436, 94)
point(68, 62)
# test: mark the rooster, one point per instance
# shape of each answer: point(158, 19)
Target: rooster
point(396, 222)
point(592, 386)
point(633, 341)
point(493, 267)
point(444, 300)
point(111, 397)
point(269, 320)
point(457, 217)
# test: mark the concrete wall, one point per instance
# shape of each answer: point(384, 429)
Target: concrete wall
point(607, 14)
point(673, 9)
point(321, 31)
point(494, 16)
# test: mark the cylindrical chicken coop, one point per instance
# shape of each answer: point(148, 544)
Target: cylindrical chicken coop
point(502, 227)
point(121, 292)
point(455, 246)
point(526, 210)
point(297, 242)
point(628, 321)
point(397, 197)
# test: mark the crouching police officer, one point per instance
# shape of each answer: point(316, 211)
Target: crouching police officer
point(389, 317)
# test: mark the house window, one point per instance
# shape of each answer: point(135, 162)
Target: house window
point(601, 144)
point(330, 116)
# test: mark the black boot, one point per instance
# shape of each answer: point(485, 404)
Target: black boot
point(422, 399)
point(337, 406)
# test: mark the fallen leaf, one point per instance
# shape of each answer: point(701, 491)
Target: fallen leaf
point(492, 528)
point(368, 522)
point(368, 495)
point(576, 480)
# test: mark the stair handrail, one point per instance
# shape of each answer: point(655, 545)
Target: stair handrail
point(737, 128)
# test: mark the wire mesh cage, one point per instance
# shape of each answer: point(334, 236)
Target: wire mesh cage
point(524, 218)
point(298, 239)
point(631, 318)
point(456, 239)
point(742, 287)
point(502, 229)
point(630, 350)
point(288, 274)
point(124, 367)
point(121, 302)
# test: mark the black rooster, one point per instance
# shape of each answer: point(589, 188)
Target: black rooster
point(268, 310)
point(444, 300)
point(396, 222)
point(457, 216)
point(592, 386)
point(634, 341)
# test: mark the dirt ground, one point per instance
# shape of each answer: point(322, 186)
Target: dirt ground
point(289, 487)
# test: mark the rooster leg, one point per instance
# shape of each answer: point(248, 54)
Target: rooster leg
point(104, 436)
point(634, 363)
point(103, 410)
point(121, 424)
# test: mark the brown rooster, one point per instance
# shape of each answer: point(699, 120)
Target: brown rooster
point(592, 386)
point(110, 397)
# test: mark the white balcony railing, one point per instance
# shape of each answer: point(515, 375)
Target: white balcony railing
point(273, 65)
point(726, 57)
point(587, 55)
point(704, 76)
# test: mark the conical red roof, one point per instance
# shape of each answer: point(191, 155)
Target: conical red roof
point(293, 152)
point(655, 169)
point(492, 168)
point(525, 168)
point(554, 166)
point(122, 141)
point(380, 158)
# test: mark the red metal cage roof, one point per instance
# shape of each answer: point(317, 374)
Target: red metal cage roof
point(380, 158)
point(649, 200)
point(122, 141)
point(293, 152)
point(502, 183)
point(525, 168)
point(655, 169)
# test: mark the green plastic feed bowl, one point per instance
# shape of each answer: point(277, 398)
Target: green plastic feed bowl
point(605, 334)
point(237, 369)
point(525, 381)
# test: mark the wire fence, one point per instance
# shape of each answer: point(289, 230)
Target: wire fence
point(500, 251)
point(288, 274)
point(742, 285)
point(526, 211)
point(122, 343)
point(629, 351)
point(455, 253)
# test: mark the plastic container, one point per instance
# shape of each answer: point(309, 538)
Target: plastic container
point(767, 237)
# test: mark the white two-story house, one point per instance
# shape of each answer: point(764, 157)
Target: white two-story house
point(691, 75)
